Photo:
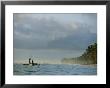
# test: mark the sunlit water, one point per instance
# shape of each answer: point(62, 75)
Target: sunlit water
point(55, 69)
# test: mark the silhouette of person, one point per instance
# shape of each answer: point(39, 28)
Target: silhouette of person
point(32, 62)
point(29, 60)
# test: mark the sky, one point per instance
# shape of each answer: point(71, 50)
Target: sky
point(33, 31)
point(36, 31)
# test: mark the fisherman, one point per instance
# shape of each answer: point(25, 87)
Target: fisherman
point(29, 60)
point(32, 62)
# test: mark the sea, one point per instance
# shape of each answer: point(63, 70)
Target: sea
point(55, 69)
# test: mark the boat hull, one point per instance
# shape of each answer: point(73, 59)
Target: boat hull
point(32, 64)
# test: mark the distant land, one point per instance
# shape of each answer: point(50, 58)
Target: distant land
point(87, 58)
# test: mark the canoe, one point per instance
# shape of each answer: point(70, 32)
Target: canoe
point(32, 64)
point(25, 64)
point(35, 64)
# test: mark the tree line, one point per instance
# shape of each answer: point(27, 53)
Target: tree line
point(88, 57)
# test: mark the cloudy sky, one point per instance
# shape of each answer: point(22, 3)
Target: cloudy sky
point(37, 31)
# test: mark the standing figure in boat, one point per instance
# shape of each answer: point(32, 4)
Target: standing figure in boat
point(32, 62)
point(29, 60)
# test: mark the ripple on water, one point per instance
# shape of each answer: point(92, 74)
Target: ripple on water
point(47, 69)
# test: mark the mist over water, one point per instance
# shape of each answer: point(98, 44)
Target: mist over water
point(44, 56)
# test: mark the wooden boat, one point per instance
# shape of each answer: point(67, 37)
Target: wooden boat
point(25, 64)
point(32, 64)
point(35, 64)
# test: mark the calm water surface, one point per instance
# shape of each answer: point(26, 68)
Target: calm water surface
point(54, 69)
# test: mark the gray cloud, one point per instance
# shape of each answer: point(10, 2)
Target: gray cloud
point(34, 31)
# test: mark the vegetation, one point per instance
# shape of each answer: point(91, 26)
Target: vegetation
point(88, 57)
